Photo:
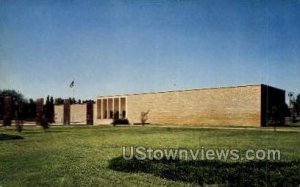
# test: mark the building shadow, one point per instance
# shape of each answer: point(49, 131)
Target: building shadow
point(4, 137)
point(202, 172)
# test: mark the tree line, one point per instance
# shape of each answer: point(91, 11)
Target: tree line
point(28, 106)
point(294, 105)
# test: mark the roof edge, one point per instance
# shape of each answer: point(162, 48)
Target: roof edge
point(184, 90)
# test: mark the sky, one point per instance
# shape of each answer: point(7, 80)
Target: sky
point(132, 46)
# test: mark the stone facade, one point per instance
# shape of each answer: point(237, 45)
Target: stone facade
point(78, 113)
point(59, 114)
point(226, 106)
point(233, 106)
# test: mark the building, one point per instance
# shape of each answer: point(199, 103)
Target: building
point(250, 105)
point(75, 114)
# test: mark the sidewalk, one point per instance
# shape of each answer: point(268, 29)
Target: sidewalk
point(280, 129)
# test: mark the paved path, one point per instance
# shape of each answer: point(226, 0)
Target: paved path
point(280, 129)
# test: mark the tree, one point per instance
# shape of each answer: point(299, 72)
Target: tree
point(44, 122)
point(15, 97)
point(72, 100)
point(297, 102)
point(87, 101)
point(49, 109)
point(294, 106)
point(31, 110)
point(20, 117)
point(144, 117)
point(287, 112)
point(59, 101)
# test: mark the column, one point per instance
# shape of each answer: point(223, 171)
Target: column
point(113, 109)
point(107, 109)
point(101, 108)
point(126, 107)
point(120, 112)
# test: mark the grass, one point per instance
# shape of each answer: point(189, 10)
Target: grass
point(80, 156)
point(257, 173)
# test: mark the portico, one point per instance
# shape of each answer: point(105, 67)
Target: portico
point(111, 107)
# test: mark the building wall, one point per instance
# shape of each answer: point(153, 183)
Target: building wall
point(273, 106)
point(78, 113)
point(59, 114)
point(97, 120)
point(231, 106)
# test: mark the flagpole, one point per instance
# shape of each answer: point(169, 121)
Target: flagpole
point(73, 87)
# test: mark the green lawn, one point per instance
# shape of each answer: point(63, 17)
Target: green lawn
point(80, 156)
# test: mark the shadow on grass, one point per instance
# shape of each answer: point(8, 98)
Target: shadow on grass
point(4, 137)
point(293, 125)
point(254, 173)
point(42, 131)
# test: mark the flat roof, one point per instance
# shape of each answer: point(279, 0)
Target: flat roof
point(185, 90)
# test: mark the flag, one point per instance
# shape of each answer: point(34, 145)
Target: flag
point(72, 84)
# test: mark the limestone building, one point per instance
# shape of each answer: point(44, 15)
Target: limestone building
point(76, 114)
point(250, 105)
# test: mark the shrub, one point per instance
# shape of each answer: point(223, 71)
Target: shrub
point(7, 121)
point(45, 123)
point(120, 121)
point(144, 117)
point(19, 125)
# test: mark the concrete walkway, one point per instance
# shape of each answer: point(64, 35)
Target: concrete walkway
point(295, 128)
point(279, 129)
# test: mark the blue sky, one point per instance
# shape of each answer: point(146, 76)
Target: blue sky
point(130, 46)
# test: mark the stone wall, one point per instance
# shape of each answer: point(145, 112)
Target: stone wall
point(59, 114)
point(78, 114)
point(230, 106)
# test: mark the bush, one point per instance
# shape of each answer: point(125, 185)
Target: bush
point(120, 121)
point(144, 117)
point(294, 119)
point(7, 121)
point(44, 123)
point(19, 125)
